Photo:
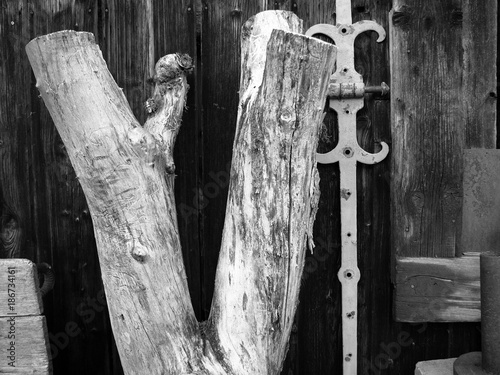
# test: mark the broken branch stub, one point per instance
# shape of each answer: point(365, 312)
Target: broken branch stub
point(120, 166)
point(168, 101)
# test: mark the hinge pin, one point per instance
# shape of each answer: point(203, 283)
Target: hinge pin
point(355, 90)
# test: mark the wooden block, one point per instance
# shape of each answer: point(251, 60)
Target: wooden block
point(481, 206)
point(19, 288)
point(437, 290)
point(436, 367)
point(24, 346)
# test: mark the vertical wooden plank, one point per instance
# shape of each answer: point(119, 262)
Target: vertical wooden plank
point(480, 34)
point(15, 239)
point(428, 126)
point(435, 50)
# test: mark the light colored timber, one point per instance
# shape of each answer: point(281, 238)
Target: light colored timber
point(127, 174)
point(24, 345)
point(435, 367)
point(437, 290)
point(19, 279)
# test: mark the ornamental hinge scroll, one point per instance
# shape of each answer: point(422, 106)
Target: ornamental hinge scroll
point(346, 93)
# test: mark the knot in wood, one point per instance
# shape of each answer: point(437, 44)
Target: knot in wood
point(288, 116)
point(139, 253)
point(184, 61)
point(150, 106)
point(143, 141)
point(402, 17)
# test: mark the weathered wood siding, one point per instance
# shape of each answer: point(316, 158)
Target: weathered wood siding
point(444, 102)
point(44, 215)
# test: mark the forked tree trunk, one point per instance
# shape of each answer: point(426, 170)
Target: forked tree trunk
point(127, 174)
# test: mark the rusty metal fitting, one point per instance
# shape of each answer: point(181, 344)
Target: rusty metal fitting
point(355, 90)
point(346, 90)
point(383, 89)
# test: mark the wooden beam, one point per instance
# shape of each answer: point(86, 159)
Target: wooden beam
point(19, 277)
point(437, 290)
point(24, 345)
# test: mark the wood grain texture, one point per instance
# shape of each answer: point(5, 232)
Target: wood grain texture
point(15, 202)
point(19, 278)
point(437, 290)
point(432, 53)
point(28, 351)
point(480, 77)
point(435, 116)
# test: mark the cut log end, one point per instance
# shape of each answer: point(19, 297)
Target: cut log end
point(82, 37)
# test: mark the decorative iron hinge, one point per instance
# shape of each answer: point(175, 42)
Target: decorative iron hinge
point(346, 92)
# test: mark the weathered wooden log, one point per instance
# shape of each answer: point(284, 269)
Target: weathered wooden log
point(121, 167)
point(273, 194)
point(126, 172)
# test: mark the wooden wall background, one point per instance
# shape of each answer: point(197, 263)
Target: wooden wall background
point(43, 210)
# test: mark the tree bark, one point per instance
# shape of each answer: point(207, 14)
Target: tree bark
point(127, 174)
